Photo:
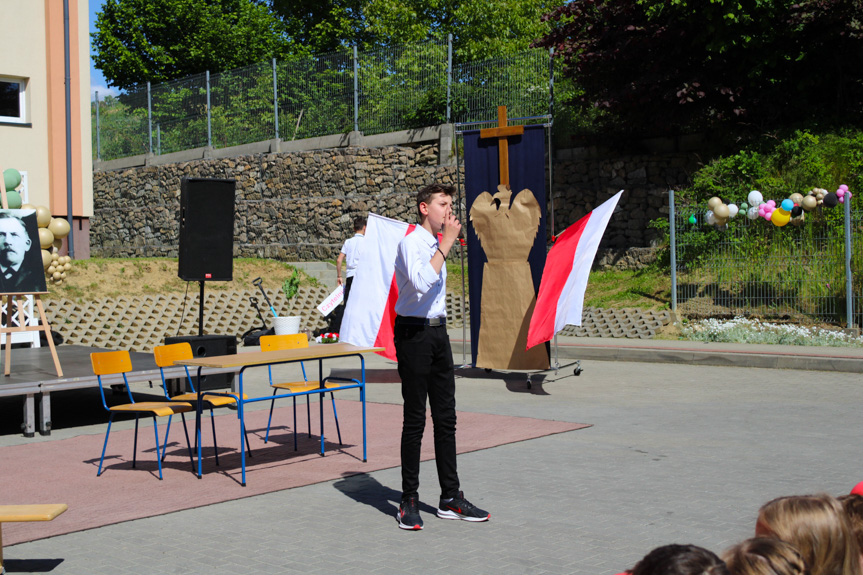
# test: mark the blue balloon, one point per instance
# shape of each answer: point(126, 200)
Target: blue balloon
point(787, 205)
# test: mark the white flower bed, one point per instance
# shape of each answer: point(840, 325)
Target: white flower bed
point(743, 330)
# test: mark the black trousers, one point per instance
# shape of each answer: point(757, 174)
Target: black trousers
point(335, 323)
point(426, 370)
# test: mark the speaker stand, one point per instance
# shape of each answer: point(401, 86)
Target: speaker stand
point(201, 311)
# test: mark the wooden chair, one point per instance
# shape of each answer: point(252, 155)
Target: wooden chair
point(166, 356)
point(119, 362)
point(305, 387)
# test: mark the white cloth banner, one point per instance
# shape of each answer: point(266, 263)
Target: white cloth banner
point(370, 311)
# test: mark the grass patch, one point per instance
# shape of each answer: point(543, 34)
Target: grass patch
point(648, 288)
point(114, 277)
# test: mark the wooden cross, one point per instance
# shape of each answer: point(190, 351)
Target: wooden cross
point(502, 132)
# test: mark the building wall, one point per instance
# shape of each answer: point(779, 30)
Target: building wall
point(23, 54)
point(32, 47)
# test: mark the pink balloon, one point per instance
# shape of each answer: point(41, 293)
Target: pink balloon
point(771, 203)
point(840, 192)
point(843, 187)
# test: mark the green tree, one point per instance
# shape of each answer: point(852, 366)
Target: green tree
point(666, 66)
point(481, 28)
point(157, 40)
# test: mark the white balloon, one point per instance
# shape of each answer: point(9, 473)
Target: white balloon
point(710, 218)
point(755, 198)
point(732, 210)
point(752, 213)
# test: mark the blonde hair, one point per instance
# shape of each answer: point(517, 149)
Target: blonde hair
point(764, 556)
point(818, 527)
point(853, 506)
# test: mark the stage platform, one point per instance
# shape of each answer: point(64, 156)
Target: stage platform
point(34, 377)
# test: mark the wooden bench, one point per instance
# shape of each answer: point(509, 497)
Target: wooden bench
point(16, 513)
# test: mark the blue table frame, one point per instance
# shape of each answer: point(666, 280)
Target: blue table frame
point(243, 361)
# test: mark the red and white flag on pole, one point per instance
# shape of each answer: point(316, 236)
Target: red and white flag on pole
point(564, 278)
point(370, 312)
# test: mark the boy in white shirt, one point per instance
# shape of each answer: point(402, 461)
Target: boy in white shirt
point(351, 254)
point(424, 356)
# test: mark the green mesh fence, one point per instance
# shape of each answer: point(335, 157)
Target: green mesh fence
point(398, 88)
point(754, 268)
point(402, 87)
point(519, 82)
point(315, 96)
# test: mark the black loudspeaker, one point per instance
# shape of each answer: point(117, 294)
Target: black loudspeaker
point(206, 346)
point(206, 229)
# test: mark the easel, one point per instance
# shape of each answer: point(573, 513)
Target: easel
point(22, 324)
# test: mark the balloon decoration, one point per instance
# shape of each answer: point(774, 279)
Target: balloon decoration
point(51, 234)
point(780, 213)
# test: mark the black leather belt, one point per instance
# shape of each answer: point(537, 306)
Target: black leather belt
point(428, 321)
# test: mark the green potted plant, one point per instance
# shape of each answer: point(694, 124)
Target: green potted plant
point(290, 323)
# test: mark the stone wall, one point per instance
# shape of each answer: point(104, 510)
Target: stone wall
point(299, 206)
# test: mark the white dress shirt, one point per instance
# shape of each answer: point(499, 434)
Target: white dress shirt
point(422, 292)
point(352, 248)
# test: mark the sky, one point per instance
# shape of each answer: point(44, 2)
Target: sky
point(97, 80)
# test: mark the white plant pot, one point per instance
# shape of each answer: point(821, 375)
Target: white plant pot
point(285, 325)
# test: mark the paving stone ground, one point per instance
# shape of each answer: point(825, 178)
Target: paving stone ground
point(677, 453)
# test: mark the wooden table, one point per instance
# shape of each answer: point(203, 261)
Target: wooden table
point(243, 361)
point(36, 512)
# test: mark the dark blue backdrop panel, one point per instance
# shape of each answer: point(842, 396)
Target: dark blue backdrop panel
point(482, 174)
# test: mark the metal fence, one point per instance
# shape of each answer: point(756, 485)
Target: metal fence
point(809, 273)
point(385, 90)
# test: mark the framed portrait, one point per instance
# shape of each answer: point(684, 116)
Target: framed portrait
point(21, 268)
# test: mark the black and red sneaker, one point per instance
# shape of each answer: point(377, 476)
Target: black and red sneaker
point(409, 514)
point(460, 508)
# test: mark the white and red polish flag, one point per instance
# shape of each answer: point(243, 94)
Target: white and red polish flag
point(564, 279)
point(370, 312)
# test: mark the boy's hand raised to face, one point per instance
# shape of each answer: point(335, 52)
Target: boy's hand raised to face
point(451, 230)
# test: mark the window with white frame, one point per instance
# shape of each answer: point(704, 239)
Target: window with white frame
point(12, 100)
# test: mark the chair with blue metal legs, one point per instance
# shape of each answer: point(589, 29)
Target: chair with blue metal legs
point(166, 356)
point(305, 387)
point(119, 362)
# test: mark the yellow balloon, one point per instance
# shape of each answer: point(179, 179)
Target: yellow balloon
point(57, 276)
point(59, 227)
point(810, 203)
point(46, 259)
point(721, 211)
point(780, 217)
point(43, 217)
point(713, 202)
point(46, 238)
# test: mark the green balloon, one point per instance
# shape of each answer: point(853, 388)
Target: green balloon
point(692, 219)
point(14, 200)
point(12, 178)
point(744, 206)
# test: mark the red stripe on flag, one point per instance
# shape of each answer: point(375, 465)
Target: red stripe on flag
point(558, 267)
point(386, 330)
